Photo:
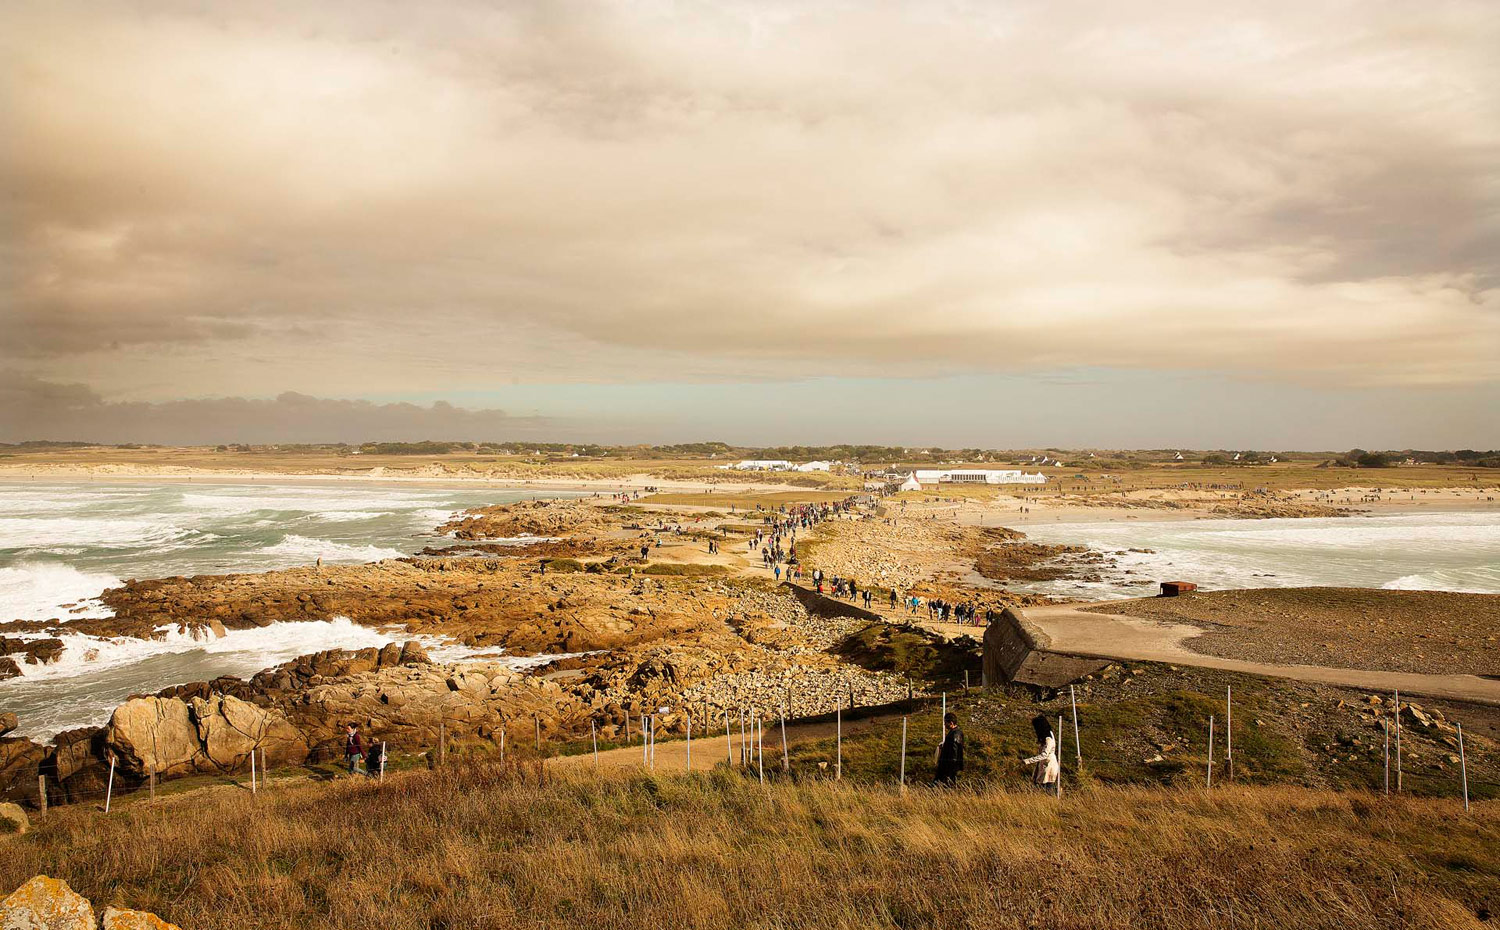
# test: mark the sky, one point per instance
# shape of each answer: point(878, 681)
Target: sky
point(1000, 224)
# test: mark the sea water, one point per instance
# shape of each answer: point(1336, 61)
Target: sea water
point(63, 543)
point(1448, 551)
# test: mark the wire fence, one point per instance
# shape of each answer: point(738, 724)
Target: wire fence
point(1060, 764)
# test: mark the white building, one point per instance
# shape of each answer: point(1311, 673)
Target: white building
point(760, 465)
point(976, 476)
point(814, 466)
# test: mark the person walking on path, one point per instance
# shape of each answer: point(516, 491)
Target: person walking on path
point(1047, 767)
point(372, 760)
point(354, 747)
point(950, 754)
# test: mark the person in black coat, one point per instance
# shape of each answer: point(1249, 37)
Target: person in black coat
point(950, 760)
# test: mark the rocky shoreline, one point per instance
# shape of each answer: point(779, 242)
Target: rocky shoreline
point(628, 642)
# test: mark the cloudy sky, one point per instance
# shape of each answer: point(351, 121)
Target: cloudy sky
point(1240, 224)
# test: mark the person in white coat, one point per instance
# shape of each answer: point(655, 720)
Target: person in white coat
point(1047, 766)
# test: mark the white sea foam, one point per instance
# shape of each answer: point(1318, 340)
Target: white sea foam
point(101, 532)
point(302, 549)
point(315, 501)
point(260, 647)
point(348, 516)
point(36, 591)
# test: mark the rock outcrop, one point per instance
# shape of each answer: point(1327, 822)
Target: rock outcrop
point(20, 764)
point(13, 820)
point(529, 518)
point(49, 904)
point(46, 904)
point(118, 919)
point(170, 736)
point(8, 722)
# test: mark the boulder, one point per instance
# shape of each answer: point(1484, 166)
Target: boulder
point(74, 751)
point(390, 654)
point(155, 735)
point(13, 820)
point(9, 668)
point(230, 729)
point(46, 904)
point(8, 722)
point(413, 653)
point(205, 734)
point(77, 765)
point(119, 919)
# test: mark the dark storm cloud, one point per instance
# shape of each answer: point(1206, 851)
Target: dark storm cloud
point(34, 409)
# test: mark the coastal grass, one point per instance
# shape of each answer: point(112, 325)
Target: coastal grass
point(483, 845)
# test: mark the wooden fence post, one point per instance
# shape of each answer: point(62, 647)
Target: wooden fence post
point(760, 743)
point(728, 739)
point(1210, 750)
point(1398, 740)
point(442, 742)
point(41, 792)
point(786, 759)
point(109, 789)
point(1463, 764)
point(1057, 748)
point(538, 721)
point(252, 772)
point(903, 753)
point(382, 761)
point(594, 738)
point(838, 737)
point(1077, 746)
point(1229, 729)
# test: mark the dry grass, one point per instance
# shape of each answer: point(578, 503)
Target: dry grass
point(1284, 476)
point(478, 846)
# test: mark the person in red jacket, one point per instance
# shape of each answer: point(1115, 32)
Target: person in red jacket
point(354, 747)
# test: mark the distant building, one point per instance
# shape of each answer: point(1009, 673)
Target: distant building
point(813, 466)
point(976, 476)
point(911, 484)
point(760, 465)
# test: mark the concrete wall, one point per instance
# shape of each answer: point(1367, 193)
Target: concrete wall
point(820, 605)
point(1016, 650)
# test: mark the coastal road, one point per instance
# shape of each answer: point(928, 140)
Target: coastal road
point(1114, 636)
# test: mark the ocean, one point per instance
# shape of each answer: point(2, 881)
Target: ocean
point(62, 543)
point(1447, 551)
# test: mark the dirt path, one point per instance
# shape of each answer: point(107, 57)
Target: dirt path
point(1114, 636)
point(672, 755)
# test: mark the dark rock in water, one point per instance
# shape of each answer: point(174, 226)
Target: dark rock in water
point(8, 722)
point(36, 651)
point(8, 668)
